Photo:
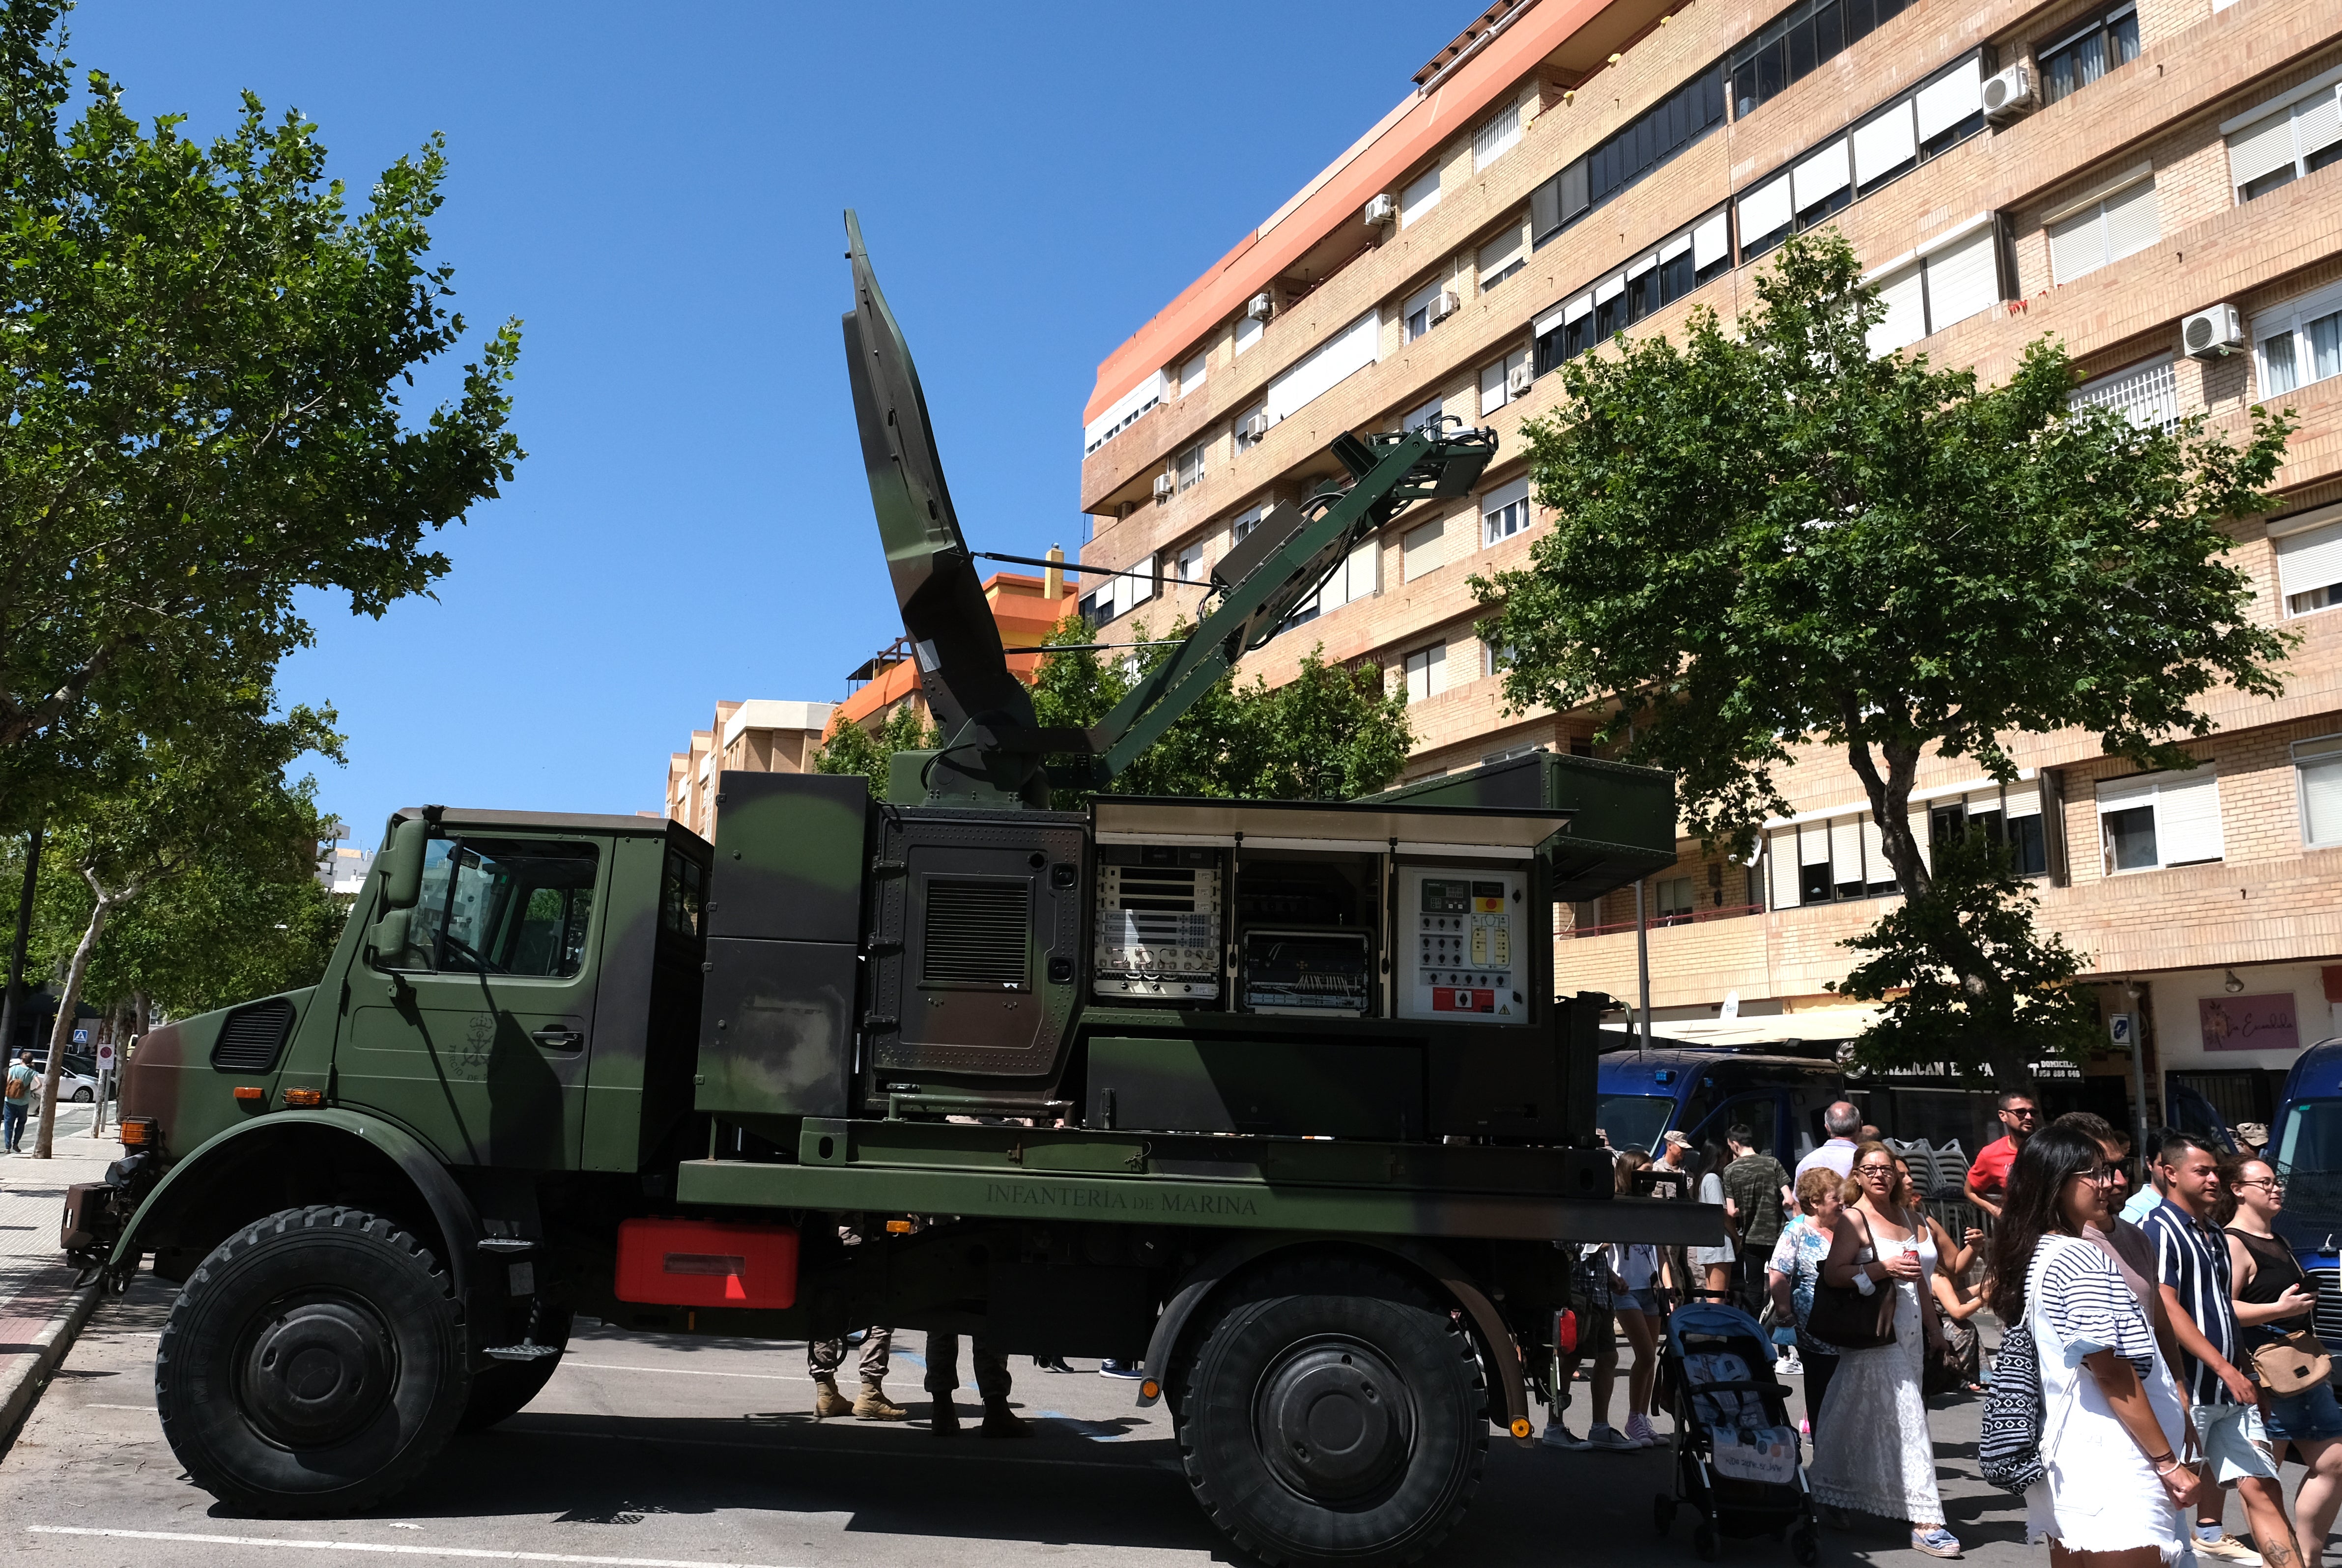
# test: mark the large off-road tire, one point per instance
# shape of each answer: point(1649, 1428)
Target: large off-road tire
point(312, 1364)
point(1334, 1411)
point(505, 1388)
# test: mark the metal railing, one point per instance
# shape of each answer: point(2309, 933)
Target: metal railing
point(1690, 917)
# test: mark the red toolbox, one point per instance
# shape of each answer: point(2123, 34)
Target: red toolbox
point(705, 1263)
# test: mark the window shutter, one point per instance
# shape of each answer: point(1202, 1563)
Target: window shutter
point(1551, 320)
point(1950, 98)
point(1845, 849)
point(2133, 220)
point(1545, 207)
point(1919, 836)
point(2078, 245)
point(2260, 148)
point(1492, 388)
point(1821, 175)
point(1579, 309)
point(1873, 852)
point(2309, 559)
point(1904, 293)
point(2129, 791)
point(1886, 143)
point(1191, 374)
point(1423, 549)
point(2321, 800)
point(1247, 333)
point(1416, 202)
point(1358, 573)
point(2318, 123)
point(1962, 280)
point(1136, 590)
point(1708, 243)
point(1813, 844)
point(1782, 856)
point(1436, 668)
point(2022, 800)
point(2187, 816)
point(1765, 211)
point(1500, 252)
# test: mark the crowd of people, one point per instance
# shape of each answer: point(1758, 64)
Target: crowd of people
point(2169, 1324)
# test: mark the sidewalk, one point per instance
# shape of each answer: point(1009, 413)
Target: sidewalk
point(40, 1308)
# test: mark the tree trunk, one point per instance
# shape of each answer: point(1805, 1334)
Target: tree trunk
point(43, 1141)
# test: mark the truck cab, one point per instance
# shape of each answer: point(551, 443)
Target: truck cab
point(2306, 1150)
point(1705, 1092)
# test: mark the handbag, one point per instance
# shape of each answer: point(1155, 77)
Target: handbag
point(1844, 1317)
point(1940, 1371)
point(2293, 1365)
point(2008, 1442)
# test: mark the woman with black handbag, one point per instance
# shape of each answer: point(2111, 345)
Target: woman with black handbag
point(2274, 1299)
point(1872, 1450)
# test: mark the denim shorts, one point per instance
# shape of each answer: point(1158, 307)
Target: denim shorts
point(2313, 1416)
point(2236, 1444)
point(1645, 1302)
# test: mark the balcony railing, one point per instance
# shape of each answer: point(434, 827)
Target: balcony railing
point(1694, 917)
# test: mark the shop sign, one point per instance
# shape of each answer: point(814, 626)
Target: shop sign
point(2249, 1023)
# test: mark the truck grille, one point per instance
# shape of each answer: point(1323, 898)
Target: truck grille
point(251, 1036)
point(976, 934)
point(2325, 1317)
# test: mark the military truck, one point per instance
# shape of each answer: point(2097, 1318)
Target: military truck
point(1277, 1098)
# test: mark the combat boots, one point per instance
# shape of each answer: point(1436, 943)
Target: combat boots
point(999, 1420)
point(827, 1401)
point(874, 1404)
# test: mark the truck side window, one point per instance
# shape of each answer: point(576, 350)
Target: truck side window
point(681, 896)
point(502, 906)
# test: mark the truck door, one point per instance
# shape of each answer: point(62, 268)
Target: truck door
point(478, 1035)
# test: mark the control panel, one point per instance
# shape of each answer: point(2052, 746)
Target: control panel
point(1463, 943)
point(1158, 922)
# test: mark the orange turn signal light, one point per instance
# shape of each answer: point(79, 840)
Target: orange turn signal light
point(1150, 1389)
point(899, 1227)
point(249, 1092)
point(304, 1097)
point(140, 1133)
point(1521, 1427)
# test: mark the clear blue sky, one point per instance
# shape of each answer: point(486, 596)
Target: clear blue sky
point(656, 191)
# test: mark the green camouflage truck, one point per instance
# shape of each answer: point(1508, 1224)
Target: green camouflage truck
point(1277, 1098)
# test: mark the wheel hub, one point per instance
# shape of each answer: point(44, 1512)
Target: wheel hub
point(316, 1372)
point(1333, 1421)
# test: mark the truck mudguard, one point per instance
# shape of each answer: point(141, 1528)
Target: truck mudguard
point(1208, 1276)
point(185, 1182)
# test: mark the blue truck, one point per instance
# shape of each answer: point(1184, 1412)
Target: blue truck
point(2306, 1147)
point(1705, 1090)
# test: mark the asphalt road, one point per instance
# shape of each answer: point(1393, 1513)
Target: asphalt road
point(653, 1450)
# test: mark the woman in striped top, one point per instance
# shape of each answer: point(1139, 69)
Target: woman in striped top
point(2113, 1423)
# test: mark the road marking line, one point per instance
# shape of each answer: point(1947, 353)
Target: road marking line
point(94, 1404)
point(391, 1548)
point(679, 1371)
point(1127, 1467)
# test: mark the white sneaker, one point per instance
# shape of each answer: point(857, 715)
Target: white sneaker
point(1791, 1366)
point(1611, 1440)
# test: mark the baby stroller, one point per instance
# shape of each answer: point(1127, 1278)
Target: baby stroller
point(1736, 1450)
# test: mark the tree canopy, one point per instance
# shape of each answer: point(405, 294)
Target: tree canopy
point(1768, 537)
point(204, 377)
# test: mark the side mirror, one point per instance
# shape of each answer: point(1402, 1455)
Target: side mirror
point(387, 939)
point(402, 865)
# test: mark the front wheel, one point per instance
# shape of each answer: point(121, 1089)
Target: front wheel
point(84, 1096)
point(312, 1364)
point(1334, 1413)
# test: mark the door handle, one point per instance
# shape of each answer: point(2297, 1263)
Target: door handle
point(559, 1037)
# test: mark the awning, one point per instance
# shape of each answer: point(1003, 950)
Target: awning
point(1324, 825)
point(1827, 1024)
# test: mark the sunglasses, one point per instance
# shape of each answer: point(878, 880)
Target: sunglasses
point(2025, 1111)
point(2104, 1176)
point(1877, 1170)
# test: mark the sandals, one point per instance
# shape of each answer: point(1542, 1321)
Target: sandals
point(1935, 1542)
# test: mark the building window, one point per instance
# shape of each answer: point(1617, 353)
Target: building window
point(1245, 521)
point(1496, 381)
point(1806, 37)
point(1248, 332)
point(1641, 145)
point(1188, 566)
point(1428, 414)
point(1496, 137)
point(2159, 820)
point(1494, 661)
point(1191, 467)
point(2318, 766)
point(1659, 277)
point(2300, 133)
point(1426, 672)
point(1509, 753)
point(1950, 284)
point(1096, 606)
point(1420, 196)
point(2108, 229)
point(1504, 511)
point(2309, 569)
point(1418, 311)
point(1503, 257)
point(1423, 549)
point(2299, 343)
point(1191, 374)
point(2146, 395)
point(1245, 440)
point(1677, 901)
point(2010, 819)
point(2081, 57)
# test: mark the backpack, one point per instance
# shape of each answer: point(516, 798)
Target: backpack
point(2008, 1447)
point(21, 1080)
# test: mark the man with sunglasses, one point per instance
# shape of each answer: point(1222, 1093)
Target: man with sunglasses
point(1988, 1178)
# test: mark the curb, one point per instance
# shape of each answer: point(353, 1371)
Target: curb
point(21, 1381)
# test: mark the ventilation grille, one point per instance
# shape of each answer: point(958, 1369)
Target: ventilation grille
point(251, 1036)
point(975, 934)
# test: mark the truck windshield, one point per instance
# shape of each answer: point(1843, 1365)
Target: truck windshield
point(503, 907)
point(2309, 1159)
point(1632, 1121)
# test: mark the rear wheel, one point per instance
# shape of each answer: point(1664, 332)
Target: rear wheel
point(1335, 1411)
point(84, 1096)
point(312, 1364)
point(505, 1388)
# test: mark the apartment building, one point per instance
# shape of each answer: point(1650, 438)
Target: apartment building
point(764, 736)
point(2151, 180)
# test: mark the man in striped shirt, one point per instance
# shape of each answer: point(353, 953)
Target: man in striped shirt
point(2191, 1259)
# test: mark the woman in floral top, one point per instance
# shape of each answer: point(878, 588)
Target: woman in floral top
point(1796, 1265)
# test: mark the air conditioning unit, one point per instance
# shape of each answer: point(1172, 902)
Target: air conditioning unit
point(1256, 428)
point(2208, 333)
point(1445, 305)
point(2009, 93)
point(1517, 380)
point(1260, 306)
point(1381, 210)
point(1163, 487)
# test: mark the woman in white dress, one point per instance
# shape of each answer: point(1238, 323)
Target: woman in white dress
point(1872, 1451)
point(2112, 1424)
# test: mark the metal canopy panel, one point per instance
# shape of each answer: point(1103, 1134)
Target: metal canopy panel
point(1324, 824)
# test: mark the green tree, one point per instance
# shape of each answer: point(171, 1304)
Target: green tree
point(209, 795)
point(203, 373)
point(1771, 537)
point(1330, 732)
point(851, 749)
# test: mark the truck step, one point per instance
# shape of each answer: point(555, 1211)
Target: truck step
point(522, 1352)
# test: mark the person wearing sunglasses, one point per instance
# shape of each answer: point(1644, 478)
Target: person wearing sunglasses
point(2113, 1428)
point(1872, 1450)
point(1988, 1178)
point(2273, 1298)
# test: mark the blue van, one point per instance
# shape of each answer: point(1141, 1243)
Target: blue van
point(2306, 1147)
point(1705, 1090)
